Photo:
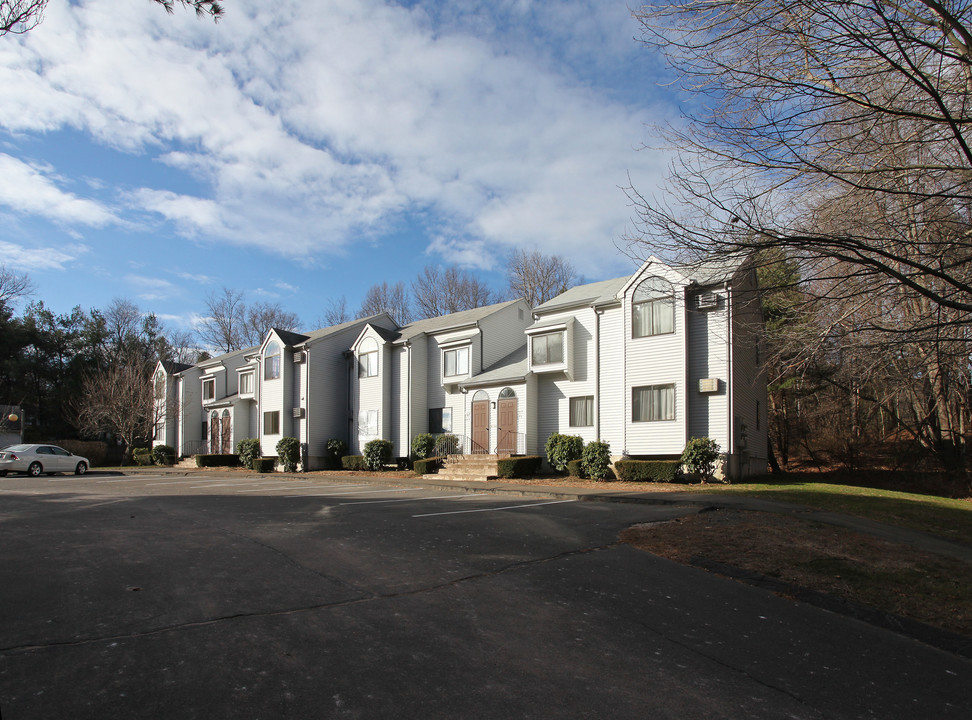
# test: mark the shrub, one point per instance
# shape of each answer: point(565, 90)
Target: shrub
point(217, 460)
point(263, 464)
point(353, 462)
point(517, 467)
point(142, 456)
point(163, 455)
point(596, 460)
point(336, 449)
point(249, 450)
point(377, 453)
point(561, 449)
point(575, 469)
point(427, 466)
point(649, 470)
point(700, 456)
point(288, 449)
point(423, 445)
point(94, 450)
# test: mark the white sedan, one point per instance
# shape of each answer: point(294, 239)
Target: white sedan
point(37, 459)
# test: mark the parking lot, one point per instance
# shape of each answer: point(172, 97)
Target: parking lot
point(241, 596)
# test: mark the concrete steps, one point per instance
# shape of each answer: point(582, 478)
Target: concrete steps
point(469, 468)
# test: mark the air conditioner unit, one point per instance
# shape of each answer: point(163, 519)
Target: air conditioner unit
point(298, 412)
point(707, 301)
point(708, 385)
point(299, 356)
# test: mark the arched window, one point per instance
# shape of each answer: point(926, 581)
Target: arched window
point(271, 361)
point(506, 393)
point(480, 395)
point(653, 308)
point(368, 358)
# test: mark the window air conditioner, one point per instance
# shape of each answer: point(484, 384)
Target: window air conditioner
point(298, 412)
point(707, 301)
point(708, 385)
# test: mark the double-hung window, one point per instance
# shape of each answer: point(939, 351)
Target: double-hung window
point(653, 402)
point(582, 411)
point(271, 423)
point(246, 383)
point(271, 361)
point(209, 389)
point(440, 420)
point(653, 308)
point(548, 349)
point(368, 358)
point(455, 362)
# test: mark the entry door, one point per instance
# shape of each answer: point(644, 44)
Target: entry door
point(227, 444)
point(214, 434)
point(480, 427)
point(506, 425)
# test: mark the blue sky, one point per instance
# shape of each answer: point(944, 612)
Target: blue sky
point(303, 151)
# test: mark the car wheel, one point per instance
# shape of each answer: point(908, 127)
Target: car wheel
point(81, 469)
point(35, 469)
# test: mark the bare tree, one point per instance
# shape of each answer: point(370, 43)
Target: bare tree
point(260, 317)
point(119, 400)
point(335, 313)
point(13, 286)
point(837, 132)
point(393, 299)
point(439, 291)
point(21, 16)
point(224, 325)
point(536, 277)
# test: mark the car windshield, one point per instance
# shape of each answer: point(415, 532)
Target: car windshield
point(17, 448)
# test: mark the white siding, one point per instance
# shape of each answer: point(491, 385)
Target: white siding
point(708, 344)
point(503, 332)
point(611, 404)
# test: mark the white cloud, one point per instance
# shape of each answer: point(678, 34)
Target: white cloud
point(24, 258)
point(33, 190)
point(312, 125)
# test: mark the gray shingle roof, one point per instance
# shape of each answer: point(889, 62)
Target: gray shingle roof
point(598, 292)
point(511, 368)
point(446, 322)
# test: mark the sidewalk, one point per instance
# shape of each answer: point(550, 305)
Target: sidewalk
point(703, 501)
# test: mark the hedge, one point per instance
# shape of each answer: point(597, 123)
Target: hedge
point(575, 469)
point(517, 467)
point(353, 462)
point(264, 464)
point(142, 456)
point(427, 466)
point(94, 450)
point(163, 455)
point(649, 470)
point(217, 460)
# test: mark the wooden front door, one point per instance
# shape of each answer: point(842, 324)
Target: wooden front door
point(227, 444)
point(506, 425)
point(214, 434)
point(480, 427)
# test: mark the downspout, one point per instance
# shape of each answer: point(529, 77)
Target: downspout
point(597, 372)
point(307, 395)
point(731, 381)
point(408, 396)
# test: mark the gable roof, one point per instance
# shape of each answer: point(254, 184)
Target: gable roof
point(334, 329)
point(589, 294)
point(453, 320)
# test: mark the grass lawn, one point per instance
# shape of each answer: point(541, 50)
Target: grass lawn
point(945, 517)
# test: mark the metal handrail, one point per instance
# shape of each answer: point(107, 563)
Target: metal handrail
point(453, 445)
point(512, 443)
point(193, 447)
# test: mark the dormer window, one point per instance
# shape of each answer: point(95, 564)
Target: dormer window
point(246, 383)
point(271, 361)
point(548, 349)
point(208, 389)
point(455, 362)
point(368, 358)
point(653, 308)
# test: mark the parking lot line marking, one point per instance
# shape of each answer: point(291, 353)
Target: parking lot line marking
point(212, 485)
point(122, 480)
point(309, 487)
point(176, 482)
point(354, 492)
point(398, 500)
point(508, 507)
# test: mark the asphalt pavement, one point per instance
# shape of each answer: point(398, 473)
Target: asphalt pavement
point(198, 595)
